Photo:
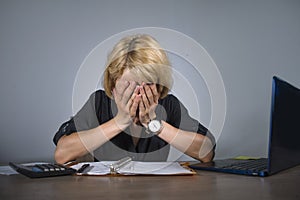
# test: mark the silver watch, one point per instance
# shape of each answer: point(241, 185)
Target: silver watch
point(155, 126)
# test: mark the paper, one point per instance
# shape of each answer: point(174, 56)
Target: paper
point(136, 168)
point(155, 168)
point(7, 170)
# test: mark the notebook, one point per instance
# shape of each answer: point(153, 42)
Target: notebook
point(126, 166)
point(284, 137)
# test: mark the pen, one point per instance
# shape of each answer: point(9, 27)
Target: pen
point(82, 168)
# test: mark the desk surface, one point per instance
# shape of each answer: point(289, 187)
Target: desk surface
point(204, 185)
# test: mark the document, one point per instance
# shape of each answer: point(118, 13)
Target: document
point(134, 168)
point(7, 170)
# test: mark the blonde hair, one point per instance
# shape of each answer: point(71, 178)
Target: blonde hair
point(144, 57)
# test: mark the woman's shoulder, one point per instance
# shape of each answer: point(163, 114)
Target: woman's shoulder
point(169, 98)
point(99, 94)
point(101, 102)
point(170, 101)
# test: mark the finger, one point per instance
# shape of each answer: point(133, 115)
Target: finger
point(143, 116)
point(144, 97)
point(141, 109)
point(135, 105)
point(119, 89)
point(129, 91)
point(133, 96)
point(121, 85)
point(155, 93)
point(149, 94)
point(117, 97)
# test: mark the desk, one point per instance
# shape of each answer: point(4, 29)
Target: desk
point(204, 185)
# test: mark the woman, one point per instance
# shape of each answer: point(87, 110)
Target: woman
point(134, 115)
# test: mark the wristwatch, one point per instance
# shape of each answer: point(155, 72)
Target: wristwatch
point(155, 126)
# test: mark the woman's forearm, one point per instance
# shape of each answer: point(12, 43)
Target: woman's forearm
point(193, 144)
point(70, 147)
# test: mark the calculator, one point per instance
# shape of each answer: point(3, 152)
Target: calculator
point(42, 170)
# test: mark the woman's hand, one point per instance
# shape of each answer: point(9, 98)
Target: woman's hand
point(148, 103)
point(127, 98)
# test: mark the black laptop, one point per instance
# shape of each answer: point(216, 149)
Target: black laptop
point(284, 137)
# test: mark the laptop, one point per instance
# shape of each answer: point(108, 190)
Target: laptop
point(284, 137)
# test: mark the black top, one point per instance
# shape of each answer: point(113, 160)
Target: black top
point(100, 109)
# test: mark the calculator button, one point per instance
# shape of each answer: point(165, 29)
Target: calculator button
point(42, 167)
point(61, 168)
point(36, 169)
point(50, 167)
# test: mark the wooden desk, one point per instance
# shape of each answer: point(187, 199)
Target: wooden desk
point(204, 185)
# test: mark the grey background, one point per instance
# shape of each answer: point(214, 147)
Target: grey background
point(43, 43)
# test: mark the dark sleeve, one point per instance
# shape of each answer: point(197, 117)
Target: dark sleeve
point(85, 119)
point(178, 116)
point(66, 128)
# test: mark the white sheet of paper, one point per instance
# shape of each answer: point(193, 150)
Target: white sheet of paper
point(7, 170)
point(154, 168)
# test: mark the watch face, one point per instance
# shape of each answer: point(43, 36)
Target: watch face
point(154, 126)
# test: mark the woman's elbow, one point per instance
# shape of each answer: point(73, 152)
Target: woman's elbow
point(207, 151)
point(60, 154)
point(208, 157)
point(59, 158)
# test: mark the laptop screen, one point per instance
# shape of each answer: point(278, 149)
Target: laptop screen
point(284, 149)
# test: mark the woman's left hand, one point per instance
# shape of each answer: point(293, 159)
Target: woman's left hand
point(148, 103)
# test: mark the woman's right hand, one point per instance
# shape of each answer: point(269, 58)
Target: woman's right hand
point(127, 97)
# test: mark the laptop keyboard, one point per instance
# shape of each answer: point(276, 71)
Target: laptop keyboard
point(253, 165)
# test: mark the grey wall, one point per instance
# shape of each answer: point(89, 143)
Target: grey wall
point(43, 43)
